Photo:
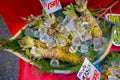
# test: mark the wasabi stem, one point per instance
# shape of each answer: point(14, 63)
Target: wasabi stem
point(69, 10)
point(81, 7)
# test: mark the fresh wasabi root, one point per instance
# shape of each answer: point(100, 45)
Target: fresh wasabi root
point(64, 57)
point(81, 7)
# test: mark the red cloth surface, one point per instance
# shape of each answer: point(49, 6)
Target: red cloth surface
point(12, 10)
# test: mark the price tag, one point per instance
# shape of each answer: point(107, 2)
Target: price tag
point(51, 6)
point(88, 71)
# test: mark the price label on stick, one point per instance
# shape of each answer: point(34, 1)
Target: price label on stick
point(88, 71)
point(50, 6)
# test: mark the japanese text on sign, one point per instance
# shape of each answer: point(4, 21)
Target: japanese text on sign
point(50, 6)
point(88, 71)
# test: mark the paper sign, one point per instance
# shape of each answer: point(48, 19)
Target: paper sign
point(51, 6)
point(88, 71)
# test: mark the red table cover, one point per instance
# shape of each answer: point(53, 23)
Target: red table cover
point(12, 10)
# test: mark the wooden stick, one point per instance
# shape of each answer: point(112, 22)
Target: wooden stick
point(107, 9)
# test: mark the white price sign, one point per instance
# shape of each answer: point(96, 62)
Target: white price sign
point(50, 6)
point(88, 71)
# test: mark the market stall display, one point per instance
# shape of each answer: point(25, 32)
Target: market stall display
point(62, 37)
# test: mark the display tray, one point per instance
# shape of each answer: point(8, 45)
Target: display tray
point(69, 68)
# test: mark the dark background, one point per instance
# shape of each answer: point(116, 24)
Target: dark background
point(8, 62)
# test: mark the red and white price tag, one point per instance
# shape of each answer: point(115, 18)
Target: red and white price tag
point(50, 6)
point(88, 71)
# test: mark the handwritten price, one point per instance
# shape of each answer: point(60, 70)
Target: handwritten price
point(88, 71)
point(96, 75)
point(51, 4)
